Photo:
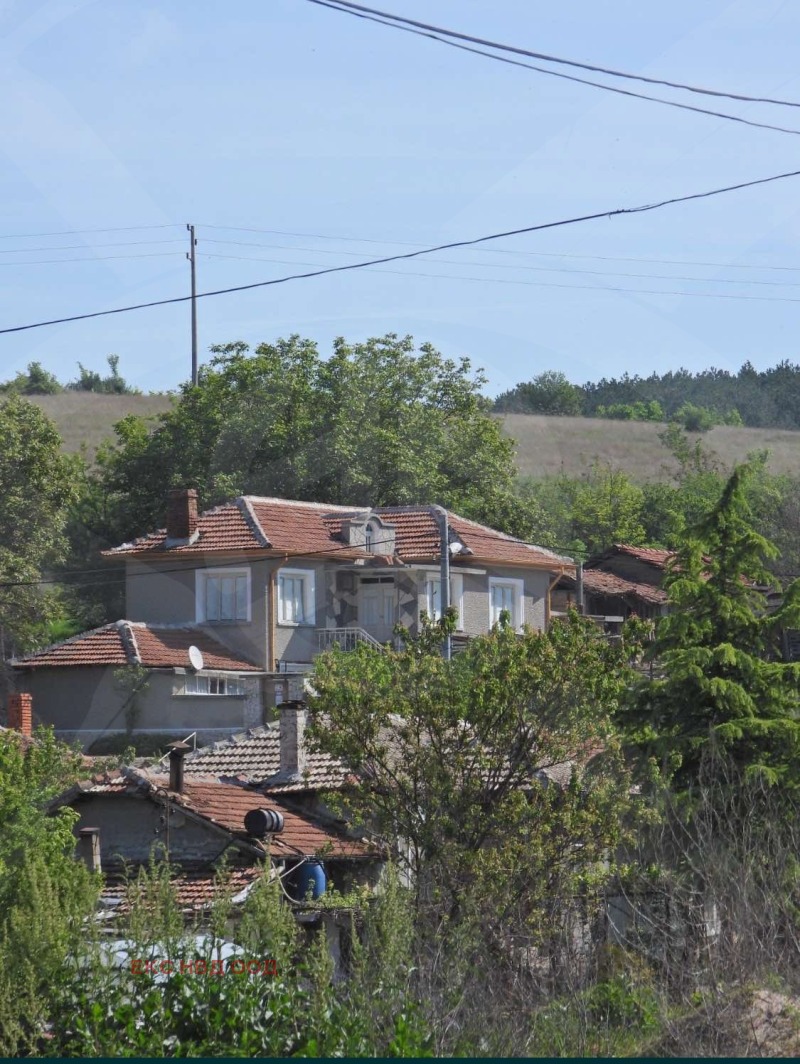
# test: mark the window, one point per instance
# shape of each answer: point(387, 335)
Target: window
point(369, 537)
point(506, 594)
point(296, 596)
point(200, 684)
point(433, 597)
point(222, 595)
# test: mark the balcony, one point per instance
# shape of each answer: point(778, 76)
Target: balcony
point(345, 638)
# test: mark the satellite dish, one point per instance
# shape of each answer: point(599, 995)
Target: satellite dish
point(196, 658)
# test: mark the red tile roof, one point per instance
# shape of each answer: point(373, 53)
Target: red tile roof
point(225, 805)
point(135, 643)
point(281, 526)
point(599, 582)
point(256, 756)
point(195, 888)
point(656, 557)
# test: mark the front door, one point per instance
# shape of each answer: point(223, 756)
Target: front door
point(376, 607)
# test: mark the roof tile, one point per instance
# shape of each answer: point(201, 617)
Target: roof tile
point(153, 646)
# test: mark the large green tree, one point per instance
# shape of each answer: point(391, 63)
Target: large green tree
point(378, 422)
point(37, 485)
point(724, 695)
point(467, 762)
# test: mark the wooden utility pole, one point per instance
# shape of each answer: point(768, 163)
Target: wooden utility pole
point(192, 263)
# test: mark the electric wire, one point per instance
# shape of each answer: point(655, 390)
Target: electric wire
point(86, 247)
point(78, 232)
point(554, 284)
point(490, 251)
point(512, 266)
point(567, 77)
point(347, 267)
point(568, 62)
point(93, 258)
point(110, 577)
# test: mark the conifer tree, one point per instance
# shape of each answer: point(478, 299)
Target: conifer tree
point(723, 697)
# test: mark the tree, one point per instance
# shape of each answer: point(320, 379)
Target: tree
point(549, 393)
point(377, 423)
point(37, 381)
point(37, 484)
point(725, 694)
point(452, 759)
point(90, 380)
point(45, 894)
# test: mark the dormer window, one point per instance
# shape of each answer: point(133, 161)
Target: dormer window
point(370, 536)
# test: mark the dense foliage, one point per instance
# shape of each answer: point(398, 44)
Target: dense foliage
point(769, 398)
point(375, 423)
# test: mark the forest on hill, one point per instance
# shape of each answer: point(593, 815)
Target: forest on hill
point(759, 398)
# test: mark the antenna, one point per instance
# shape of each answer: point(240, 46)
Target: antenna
point(196, 659)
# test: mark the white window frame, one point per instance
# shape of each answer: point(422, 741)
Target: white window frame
point(456, 597)
point(308, 577)
point(200, 592)
point(518, 612)
point(201, 685)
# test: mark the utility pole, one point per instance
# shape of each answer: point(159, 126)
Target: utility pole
point(444, 574)
point(190, 255)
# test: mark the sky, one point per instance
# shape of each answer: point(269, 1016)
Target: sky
point(293, 136)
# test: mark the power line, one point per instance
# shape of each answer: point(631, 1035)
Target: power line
point(491, 251)
point(413, 254)
point(78, 232)
point(554, 284)
point(566, 77)
point(92, 258)
point(506, 266)
point(567, 62)
point(84, 247)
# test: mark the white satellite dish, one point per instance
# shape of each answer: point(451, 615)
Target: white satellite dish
point(196, 658)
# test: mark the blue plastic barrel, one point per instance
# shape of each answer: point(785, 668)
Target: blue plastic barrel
point(311, 875)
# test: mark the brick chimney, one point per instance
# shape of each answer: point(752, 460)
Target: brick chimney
point(20, 713)
point(292, 728)
point(181, 516)
point(177, 752)
point(89, 848)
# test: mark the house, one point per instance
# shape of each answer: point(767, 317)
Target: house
point(621, 581)
point(130, 816)
point(227, 609)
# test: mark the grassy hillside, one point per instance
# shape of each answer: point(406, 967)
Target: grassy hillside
point(550, 445)
point(88, 418)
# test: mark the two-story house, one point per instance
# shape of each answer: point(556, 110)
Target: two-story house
point(227, 609)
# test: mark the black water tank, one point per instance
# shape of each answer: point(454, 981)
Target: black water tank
point(261, 822)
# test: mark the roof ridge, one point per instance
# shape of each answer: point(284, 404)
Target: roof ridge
point(509, 538)
point(248, 513)
point(302, 502)
point(129, 644)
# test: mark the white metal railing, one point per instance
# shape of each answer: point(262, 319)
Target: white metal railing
point(346, 638)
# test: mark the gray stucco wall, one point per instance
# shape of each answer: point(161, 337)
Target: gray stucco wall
point(83, 704)
point(168, 597)
point(476, 601)
point(131, 827)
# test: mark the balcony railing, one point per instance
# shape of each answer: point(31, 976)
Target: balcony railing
point(346, 638)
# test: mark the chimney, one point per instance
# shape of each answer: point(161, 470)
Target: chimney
point(177, 752)
point(293, 726)
point(181, 515)
point(89, 848)
point(20, 713)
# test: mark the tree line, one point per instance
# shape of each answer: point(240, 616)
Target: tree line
point(759, 398)
point(36, 380)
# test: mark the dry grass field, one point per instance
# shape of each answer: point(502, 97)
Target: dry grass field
point(545, 445)
point(550, 445)
point(84, 418)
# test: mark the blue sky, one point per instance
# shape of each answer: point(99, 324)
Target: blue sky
point(287, 118)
